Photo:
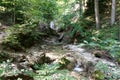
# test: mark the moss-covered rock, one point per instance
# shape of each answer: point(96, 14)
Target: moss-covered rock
point(98, 75)
point(67, 62)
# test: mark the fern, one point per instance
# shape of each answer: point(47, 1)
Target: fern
point(51, 72)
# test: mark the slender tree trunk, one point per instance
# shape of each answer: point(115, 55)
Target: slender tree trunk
point(14, 13)
point(14, 17)
point(97, 17)
point(119, 29)
point(84, 3)
point(113, 12)
point(81, 5)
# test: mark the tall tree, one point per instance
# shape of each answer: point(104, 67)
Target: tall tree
point(118, 30)
point(97, 17)
point(113, 12)
point(84, 3)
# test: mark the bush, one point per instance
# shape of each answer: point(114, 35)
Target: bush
point(21, 36)
point(43, 72)
point(100, 40)
point(109, 74)
point(4, 56)
point(51, 72)
point(76, 30)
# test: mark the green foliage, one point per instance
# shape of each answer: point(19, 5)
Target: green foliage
point(4, 56)
point(101, 40)
point(2, 9)
point(17, 11)
point(109, 74)
point(80, 30)
point(43, 72)
point(110, 45)
point(6, 69)
point(21, 36)
point(76, 29)
point(98, 75)
point(44, 10)
point(63, 61)
point(13, 11)
point(51, 72)
point(104, 9)
point(93, 35)
point(73, 21)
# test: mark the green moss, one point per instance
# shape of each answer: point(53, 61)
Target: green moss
point(98, 75)
point(64, 61)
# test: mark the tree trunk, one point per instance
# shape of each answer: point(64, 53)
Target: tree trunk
point(14, 13)
point(113, 12)
point(84, 3)
point(81, 5)
point(118, 34)
point(97, 17)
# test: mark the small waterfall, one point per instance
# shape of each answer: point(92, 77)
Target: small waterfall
point(77, 68)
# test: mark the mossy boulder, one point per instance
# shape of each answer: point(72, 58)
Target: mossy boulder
point(67, 62)
point(98, 75)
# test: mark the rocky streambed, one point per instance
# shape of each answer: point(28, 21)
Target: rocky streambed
point(80, 62)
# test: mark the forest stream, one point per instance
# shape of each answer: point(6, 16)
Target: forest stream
point(59, 39)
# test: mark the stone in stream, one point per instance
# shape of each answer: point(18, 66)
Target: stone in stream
point(66, 61)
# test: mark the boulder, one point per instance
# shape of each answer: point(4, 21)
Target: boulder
point(66, 61)
point(36, 58)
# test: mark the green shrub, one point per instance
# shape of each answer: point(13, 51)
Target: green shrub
point(98, 39)
point(109, 74)
point(76, 30)
point(110, 45)
point(51, 72)
point(21, 36)
point(98, 75)
point(43, 72)
point(4, 56)
point(8, 73)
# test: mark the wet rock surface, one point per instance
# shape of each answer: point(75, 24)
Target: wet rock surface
point(83, 56)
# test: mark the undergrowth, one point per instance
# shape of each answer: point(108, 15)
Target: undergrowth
point(43, 72)
point(51, 72)
point(19, 37)
point(105, 39)
point(108, 73)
